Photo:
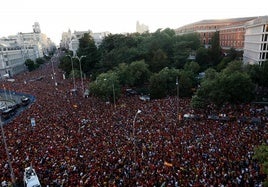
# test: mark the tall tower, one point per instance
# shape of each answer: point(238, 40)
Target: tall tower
point(141, 28)
point(36, 28)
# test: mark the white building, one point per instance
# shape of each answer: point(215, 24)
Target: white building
point(256, 41)
point(65, 39)
point(12, 59)
point(70, 40)
point(74, 43)
point(15, 49)
point(141, 28)
point(98, 37)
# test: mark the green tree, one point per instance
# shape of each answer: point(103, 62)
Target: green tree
point(40, 61)
point(182, 50)
point(106, 86)
point(75, 73)
point(259, 76)
point(140, 73)
point(159, 60)
point(182, 47)
point(203, 58)
point(66, 66)
point(119, 48)
point(163, 83)
point(261, 154)
point(211, 74)
point(158, 86)
point(88, 49)
point(232, 55)
point(234, 66)
point(238, 87)
point(232, 85)
point(215, 51)
point(30, 64)
point(186, 83)
point(123, 72)
point(192, 66)
point(264, 75)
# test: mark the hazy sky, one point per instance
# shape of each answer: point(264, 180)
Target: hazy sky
point(116, 16)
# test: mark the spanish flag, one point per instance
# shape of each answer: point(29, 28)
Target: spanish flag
point(168, 164)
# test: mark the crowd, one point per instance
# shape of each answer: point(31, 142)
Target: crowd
point(81, 141)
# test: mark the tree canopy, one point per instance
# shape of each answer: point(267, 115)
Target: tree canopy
point(231, 85)
point(156, 59)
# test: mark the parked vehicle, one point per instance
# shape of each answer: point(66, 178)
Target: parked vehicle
point(145, 97)
point(30, 178)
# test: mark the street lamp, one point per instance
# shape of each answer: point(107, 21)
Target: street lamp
point(133, 134)
point(81, 74)
point(114, 95)
point(53, 71)
point(72, 71)
point(113, 92)
point(177, 84)
point(7, 153)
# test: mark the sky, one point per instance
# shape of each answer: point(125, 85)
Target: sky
point(117, 16)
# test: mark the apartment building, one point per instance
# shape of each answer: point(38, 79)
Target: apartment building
point(15, 49)
point(256, 41)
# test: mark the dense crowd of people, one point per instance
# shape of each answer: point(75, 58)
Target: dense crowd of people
point(81, 141)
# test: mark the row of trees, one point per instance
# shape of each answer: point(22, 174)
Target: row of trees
point(155, 60)
point(32, 65)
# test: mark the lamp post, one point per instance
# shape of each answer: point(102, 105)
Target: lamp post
point(72, 71)
point(114, 96)
point(133, 134)
point(7, 153)
point(53, 71)
point(177, 84)
point(81, 74)
point(113, 92)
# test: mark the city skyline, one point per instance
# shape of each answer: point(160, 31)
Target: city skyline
point(118, 16)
